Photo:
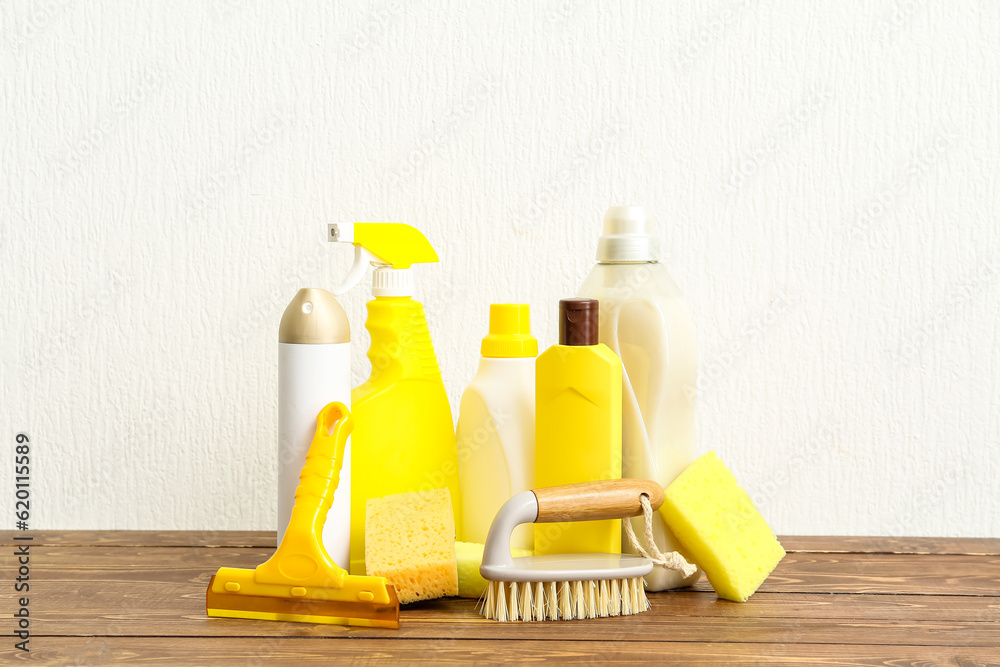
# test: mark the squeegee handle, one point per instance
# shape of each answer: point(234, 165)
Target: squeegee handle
point(594, 501)
point(321, 472)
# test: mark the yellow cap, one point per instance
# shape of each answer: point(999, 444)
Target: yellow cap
point(510, 332)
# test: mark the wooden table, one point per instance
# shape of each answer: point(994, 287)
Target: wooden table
point(138, 597)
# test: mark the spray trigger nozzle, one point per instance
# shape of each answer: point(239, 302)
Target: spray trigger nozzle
point(386, 245)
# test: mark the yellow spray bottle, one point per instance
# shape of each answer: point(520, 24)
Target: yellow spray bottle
point(404, 436)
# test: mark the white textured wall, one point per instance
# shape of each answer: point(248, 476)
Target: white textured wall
point(825, 175)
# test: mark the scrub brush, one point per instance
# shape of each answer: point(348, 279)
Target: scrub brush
point(566, 586)
point(300, 582)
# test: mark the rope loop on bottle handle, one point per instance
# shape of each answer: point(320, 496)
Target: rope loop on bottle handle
point(671, 560)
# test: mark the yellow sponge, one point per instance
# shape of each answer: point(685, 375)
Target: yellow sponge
point(410, 540)
point(718, 525)
point(470, 556)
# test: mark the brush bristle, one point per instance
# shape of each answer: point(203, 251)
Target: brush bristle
point(563, 600)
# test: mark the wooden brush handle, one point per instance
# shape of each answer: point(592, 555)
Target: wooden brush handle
point(593, 501)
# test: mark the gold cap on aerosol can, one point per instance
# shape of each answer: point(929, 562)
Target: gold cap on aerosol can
point(314, 317)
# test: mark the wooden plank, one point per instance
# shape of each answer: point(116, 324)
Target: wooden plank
point(986, 546)
point(170, 608)
point(135, 598)
point(805, 572)
point(880, 573)
point(160, 591)
point(989, 546)
point(811, 572)
point(982, 546)
point(464, 623)
point(145, 538)
point(224, 651)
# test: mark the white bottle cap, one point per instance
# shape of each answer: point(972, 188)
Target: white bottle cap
point(625, 238)
point(387, 281)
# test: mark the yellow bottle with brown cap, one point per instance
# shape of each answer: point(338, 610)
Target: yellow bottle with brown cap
point(578, 425)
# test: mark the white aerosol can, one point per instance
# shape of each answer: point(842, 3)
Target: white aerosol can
point(314, 368)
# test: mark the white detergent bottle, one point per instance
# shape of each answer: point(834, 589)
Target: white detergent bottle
point(645, 320)
point(496, 426)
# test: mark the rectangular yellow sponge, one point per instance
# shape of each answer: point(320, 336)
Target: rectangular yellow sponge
point(410, 540)
point(721, 529)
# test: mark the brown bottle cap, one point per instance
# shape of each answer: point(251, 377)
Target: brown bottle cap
point(578, 322)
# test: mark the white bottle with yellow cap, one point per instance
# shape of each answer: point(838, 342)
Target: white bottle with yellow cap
point(314, 368)
point(496, 425)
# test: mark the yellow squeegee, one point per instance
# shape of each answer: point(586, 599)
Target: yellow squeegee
point(300, 582)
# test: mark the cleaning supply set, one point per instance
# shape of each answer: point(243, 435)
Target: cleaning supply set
point(520, 505)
